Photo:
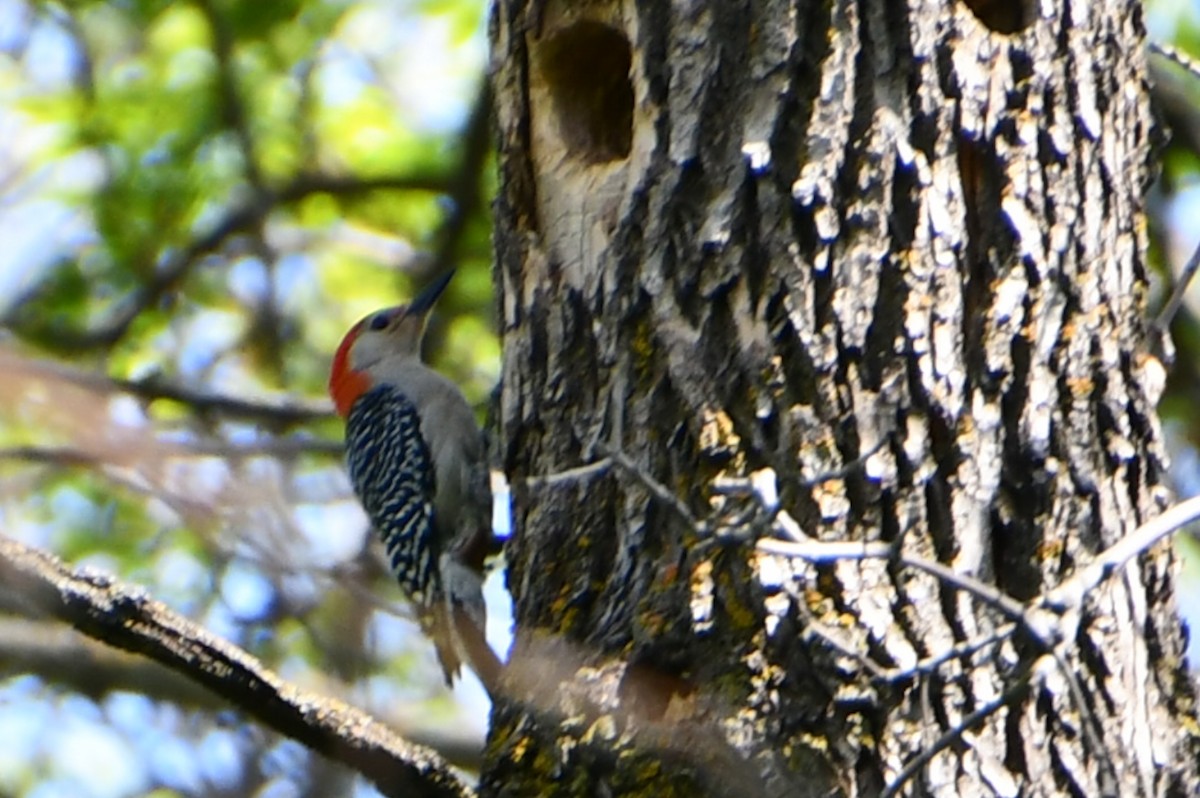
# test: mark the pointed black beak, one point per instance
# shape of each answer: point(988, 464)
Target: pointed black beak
point(423, 301)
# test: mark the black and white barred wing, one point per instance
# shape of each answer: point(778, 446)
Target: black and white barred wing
point(392, 473)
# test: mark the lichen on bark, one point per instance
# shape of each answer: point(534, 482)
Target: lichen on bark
point(891, 261)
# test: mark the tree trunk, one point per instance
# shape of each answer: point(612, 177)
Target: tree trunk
point(886, 260)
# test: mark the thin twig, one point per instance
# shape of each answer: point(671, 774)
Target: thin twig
point(1092, 732)
point(828, 551)
point(1163, 322)
point(959, 651)
point(848, 469)
point(1179, 57)
point(1070, 594)
point(978, 716)
point(817, 627)
point(571, 475)
point(1067, 596)
point(656, 488)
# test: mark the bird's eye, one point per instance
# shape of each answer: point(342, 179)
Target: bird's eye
point(378, 321)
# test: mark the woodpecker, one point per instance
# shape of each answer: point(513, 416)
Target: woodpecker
point(416, 460)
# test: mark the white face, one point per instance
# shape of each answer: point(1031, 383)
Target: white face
point(386, 334)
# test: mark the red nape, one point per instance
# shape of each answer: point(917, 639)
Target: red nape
point(346, 385)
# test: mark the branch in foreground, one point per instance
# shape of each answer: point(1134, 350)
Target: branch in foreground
point(62, 656)
point(126, 617)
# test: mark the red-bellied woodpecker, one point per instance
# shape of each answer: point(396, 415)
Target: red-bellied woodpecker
point(416, 461)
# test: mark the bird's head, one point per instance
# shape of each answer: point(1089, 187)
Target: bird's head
point(388, 335)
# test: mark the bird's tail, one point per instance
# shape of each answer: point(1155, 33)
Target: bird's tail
point(437, 626)
point(457, 625)
point(471, 643)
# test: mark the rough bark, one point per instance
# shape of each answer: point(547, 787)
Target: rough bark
point(891, 257)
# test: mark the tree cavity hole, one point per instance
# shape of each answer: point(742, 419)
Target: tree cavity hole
point(1003, 16)
point(586, 67)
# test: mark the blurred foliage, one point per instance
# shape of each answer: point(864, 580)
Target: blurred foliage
point(1174, 205)
point(197, 199)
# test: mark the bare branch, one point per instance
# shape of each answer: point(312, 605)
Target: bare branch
point(915, 764)
point(656, 488)
point(828, 551)
point(240, 218)
point(64, 657)
point(60, 655)
point(1167, 314)
point(1070, 594)
point(850, 467)
point(959, 651)
point(1173, 95)
point(283, 448)
point(277, 414)
point(571, 475)
point(126, 617)
point(1182, 113)
point(1048, 618)
point(1039, 616)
